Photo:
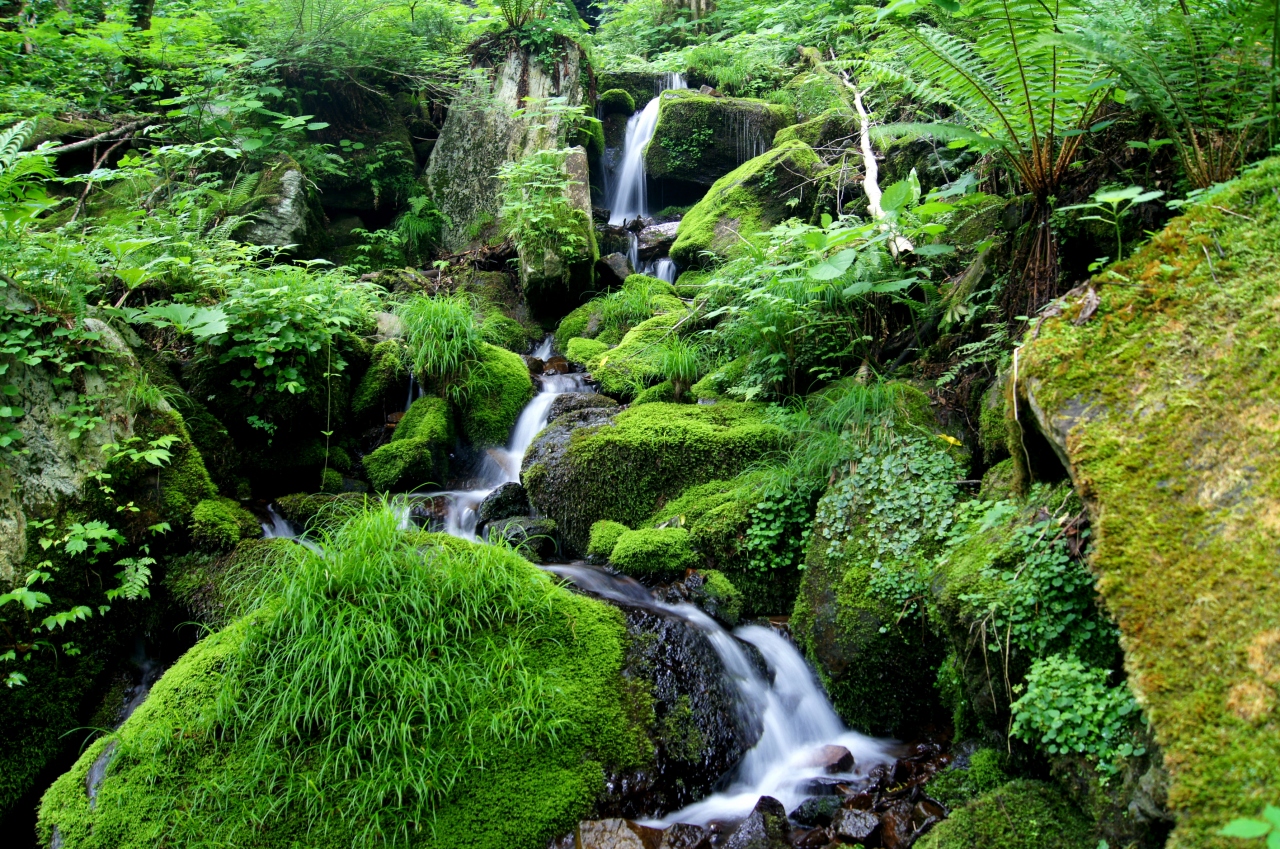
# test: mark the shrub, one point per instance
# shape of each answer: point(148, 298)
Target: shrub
point(604, 535)
point(654, 552)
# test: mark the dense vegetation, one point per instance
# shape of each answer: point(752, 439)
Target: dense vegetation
point(301, 252)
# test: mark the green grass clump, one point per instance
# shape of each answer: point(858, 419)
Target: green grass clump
point(443, 341)
point(604, 536)
point(609, 317)
point(497, 390)
point(398, 688)
point(1019, 815)
point(648, 455)
point(654, 552)
point(626, 370)
point(217, 524)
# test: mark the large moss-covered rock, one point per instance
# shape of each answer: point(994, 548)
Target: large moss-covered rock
point(1019, 815)
point(481, 133)
point(418, 453)
point(623, 467)
point(1163, 407)
point(751, 198)
point(831, 132)
point(700, 138)
point(499, 389)
point(608, 317)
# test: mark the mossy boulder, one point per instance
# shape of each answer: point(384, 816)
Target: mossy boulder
point(968, 777)
point(418, 453)
point(604, 536)
point(831, 132)
point(1019, 815)
point(750, 199)
point(640, 86)
point(653, 553)
point(384, 385)
point(625, 371)
point(583, 351)
point(1162, 406)
point(499, 388)
point(700, 138)
point(285, 210)
point(607, 318)
point(623, 467)
point(718, 597)
point(217, 524)
point(555, 279)
point(616, 101)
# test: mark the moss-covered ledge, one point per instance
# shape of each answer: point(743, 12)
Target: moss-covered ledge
point(700, 138)
point(1165, 406)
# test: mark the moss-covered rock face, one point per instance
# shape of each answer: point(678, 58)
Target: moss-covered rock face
point(608, 317)
point(747, 200)
point(499, 389)
point(474, 143)
point(383, 386)
point(700, 138)
point(653, 552)
point(217, 524)
point(624, 467)
point(616, 101)
point(286, 210)
point(1019, 815)
point(418, 453)
point(554, 281)
point(641, 86)
point(604, 536)
point(1163, 404)
point(831, 132)
point(167, 760)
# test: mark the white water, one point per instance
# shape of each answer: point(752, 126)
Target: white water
point(628, 197)
point(795, 713)
point(502, 465)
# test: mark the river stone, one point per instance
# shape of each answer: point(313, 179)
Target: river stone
point(615, 834)
point(831, 759)
point(656, 239)
point(819, 810)
point(613, 270)
point(504, 502)
point(535, 538)
point(683, 835)
point(573, 401)
point(765, 828)
point(854, 826)
point(556, 365)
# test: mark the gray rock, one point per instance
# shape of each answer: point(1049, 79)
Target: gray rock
point(288, 214)
point(656, 239)
point(534, 538)
point(613, 270)
point(504, 502)
point(819, 810)
point(765, 828)
point(832, 759)
point(685, 836)
point(854, 826)
point(571, 401)
point(615, 834)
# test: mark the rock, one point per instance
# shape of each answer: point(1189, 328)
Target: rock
point(389, 326)
point(286, 212)
point(550, 274)
point(829, 133)
point(656, 239)
point(613, 270)
point(556, 365)
point(765, 828)
point(476, 141)
point(571, 401)
point(852, 826)
point(814, 838)
point(685, 836)
point(832, 759)
point(535, 538)
point(819, 810)
point(535, 365)
point(504, 502)
point(748, 200)
point(616, 834)
point(897, 831)
point(700, 138)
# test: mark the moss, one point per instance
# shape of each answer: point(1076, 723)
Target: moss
point(609, 317)
point(1020, 815)
point(1164, 404)
point(640, 85)
point(302, 508)
point(217, 524)
point(999, 481)
point(723, 599)
point(700, 138)
point(590, 135)
point(526, 794)
point(604, 535)
point(746, 201)
point(418, 453)
point(211, 586)
point(714, 386)
point(961, 783)
point(654, 552)
point(833, 127)
point(498, 329)
point(499, 388)
point(993, 433)
point(427, 418)
point(382, 382)
point(331, 480)
point(660, 392)
point(616, 101)
point(624, 371)
point(580, 350)
point(626, 470)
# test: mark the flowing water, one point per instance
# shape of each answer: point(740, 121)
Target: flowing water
point(628, 197)
point(795, 714)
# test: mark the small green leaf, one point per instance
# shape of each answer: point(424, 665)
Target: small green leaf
point(1245, 828)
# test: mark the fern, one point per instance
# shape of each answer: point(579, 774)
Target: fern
point(22, 175)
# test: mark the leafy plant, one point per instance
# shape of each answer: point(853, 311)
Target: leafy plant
point(443, 341)
point(1111, 205)
point(536, 212)
point(681, 363)
point(1267, 825)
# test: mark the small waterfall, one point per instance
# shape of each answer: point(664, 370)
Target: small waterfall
point(628, 196)
point(664, 269)
point(795, 713)
point(279, 527)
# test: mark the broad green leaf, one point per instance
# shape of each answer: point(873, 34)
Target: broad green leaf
point(1245, 828)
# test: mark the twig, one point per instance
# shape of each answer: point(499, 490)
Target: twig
point(114, 131)
point(1229, 212)
point(1209, 260)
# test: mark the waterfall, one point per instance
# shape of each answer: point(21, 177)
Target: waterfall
point(628, 198)
point(795, 714)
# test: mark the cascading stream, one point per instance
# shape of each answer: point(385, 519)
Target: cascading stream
point(628, 198)
point(795, 714)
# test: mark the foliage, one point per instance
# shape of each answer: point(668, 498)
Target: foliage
point(1069, 709)
point(443, 341)
point(1111, 205)
point(536, 211)
point(1268, 825)
point(681, 363)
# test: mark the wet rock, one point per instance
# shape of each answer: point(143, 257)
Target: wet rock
point(925, 813)
point(824, 787)
point(765, 828)
point(819, 810)
point(699, 731)
point(288, 213)
point(556, 365)
point(656, 239)
point(814, 838)
point(534, 538)
point(832, 759)
point(685, 836)
point(897, 830)
point(853, 826)
point(615, 834)
point(389, 326)
point(613, 269)
point(504, 502)
point(572, 401)
point(430, 510)
point(535, 365)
